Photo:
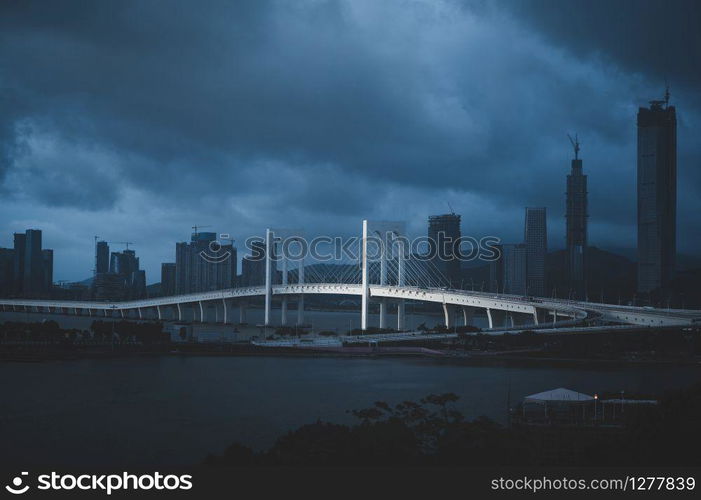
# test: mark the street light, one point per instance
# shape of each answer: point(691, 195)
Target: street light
point(596, 398)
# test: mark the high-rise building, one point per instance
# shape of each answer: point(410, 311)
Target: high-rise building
point(507, 274)
point(47, 258)
point(33, 279)
point(657, 195)
point(137, 285)
point(125, 265)
point(168, 278)
point(102, 257)
point(20, 240)
point(253, 266)
point(444, 238)
point(576, 217)
point(7, 271)
point(515, 266)
point(536, 239)
point(109, 286)
point(204, 264)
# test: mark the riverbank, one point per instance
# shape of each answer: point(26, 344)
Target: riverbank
point(48, 341)
point(516, 359)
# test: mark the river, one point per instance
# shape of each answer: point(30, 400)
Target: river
point(173, 410)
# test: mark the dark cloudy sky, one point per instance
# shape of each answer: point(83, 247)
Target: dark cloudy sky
point(134, 120)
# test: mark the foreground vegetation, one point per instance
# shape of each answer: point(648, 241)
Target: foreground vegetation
point(432, 432)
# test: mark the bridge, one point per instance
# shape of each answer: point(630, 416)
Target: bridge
point(399, 281)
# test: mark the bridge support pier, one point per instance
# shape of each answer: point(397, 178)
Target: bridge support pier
point(225, 307)
point(242, 312)
point(383, 278)
point(283, 304)
point(268, 276)
point(300, 310)
point(383, 313)
point(365, 296)
point(496, 318)
point(449, 315)
point(300, 299)
point(468, 314)
point(180, 312)
point(401, 271)
point(201, 311)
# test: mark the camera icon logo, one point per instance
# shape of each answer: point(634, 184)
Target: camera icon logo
point(16, 488)
point(215, 253)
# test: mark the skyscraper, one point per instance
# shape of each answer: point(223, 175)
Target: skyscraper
point(124, 263)
point(102, 257)
point(132, 280)
point(204, 264)
point(444, 237)
point(47, 260)
point(168, 278)
point(33, 279)
point(7, 271)
point(507, 274)
point(253, 266)
point(536, 238)
point(20, 241)
point(576, 216)
point(657, 194)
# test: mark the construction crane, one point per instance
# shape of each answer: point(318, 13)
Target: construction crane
point(575, 145)
point(195, 228)
point(127, 243)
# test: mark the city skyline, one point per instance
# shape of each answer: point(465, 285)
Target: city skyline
point(420, 242)
point(275, 154)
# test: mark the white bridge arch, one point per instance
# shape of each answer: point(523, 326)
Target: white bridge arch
point(502, 310)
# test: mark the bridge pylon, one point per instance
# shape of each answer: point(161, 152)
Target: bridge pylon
point(383, 234)
point(272, 238)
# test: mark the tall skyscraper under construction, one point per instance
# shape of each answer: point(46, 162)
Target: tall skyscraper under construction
point(576, 216)
point(657, 194)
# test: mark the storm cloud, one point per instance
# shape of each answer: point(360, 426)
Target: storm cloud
point(136, 120)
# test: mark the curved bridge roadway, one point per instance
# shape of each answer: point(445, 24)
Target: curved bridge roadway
point(502, 310)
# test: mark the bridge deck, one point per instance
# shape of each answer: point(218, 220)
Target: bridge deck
point(573, 310)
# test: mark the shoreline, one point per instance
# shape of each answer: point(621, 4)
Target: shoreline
point(442, 357)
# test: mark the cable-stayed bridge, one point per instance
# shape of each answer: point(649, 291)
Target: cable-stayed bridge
point(385, 275)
